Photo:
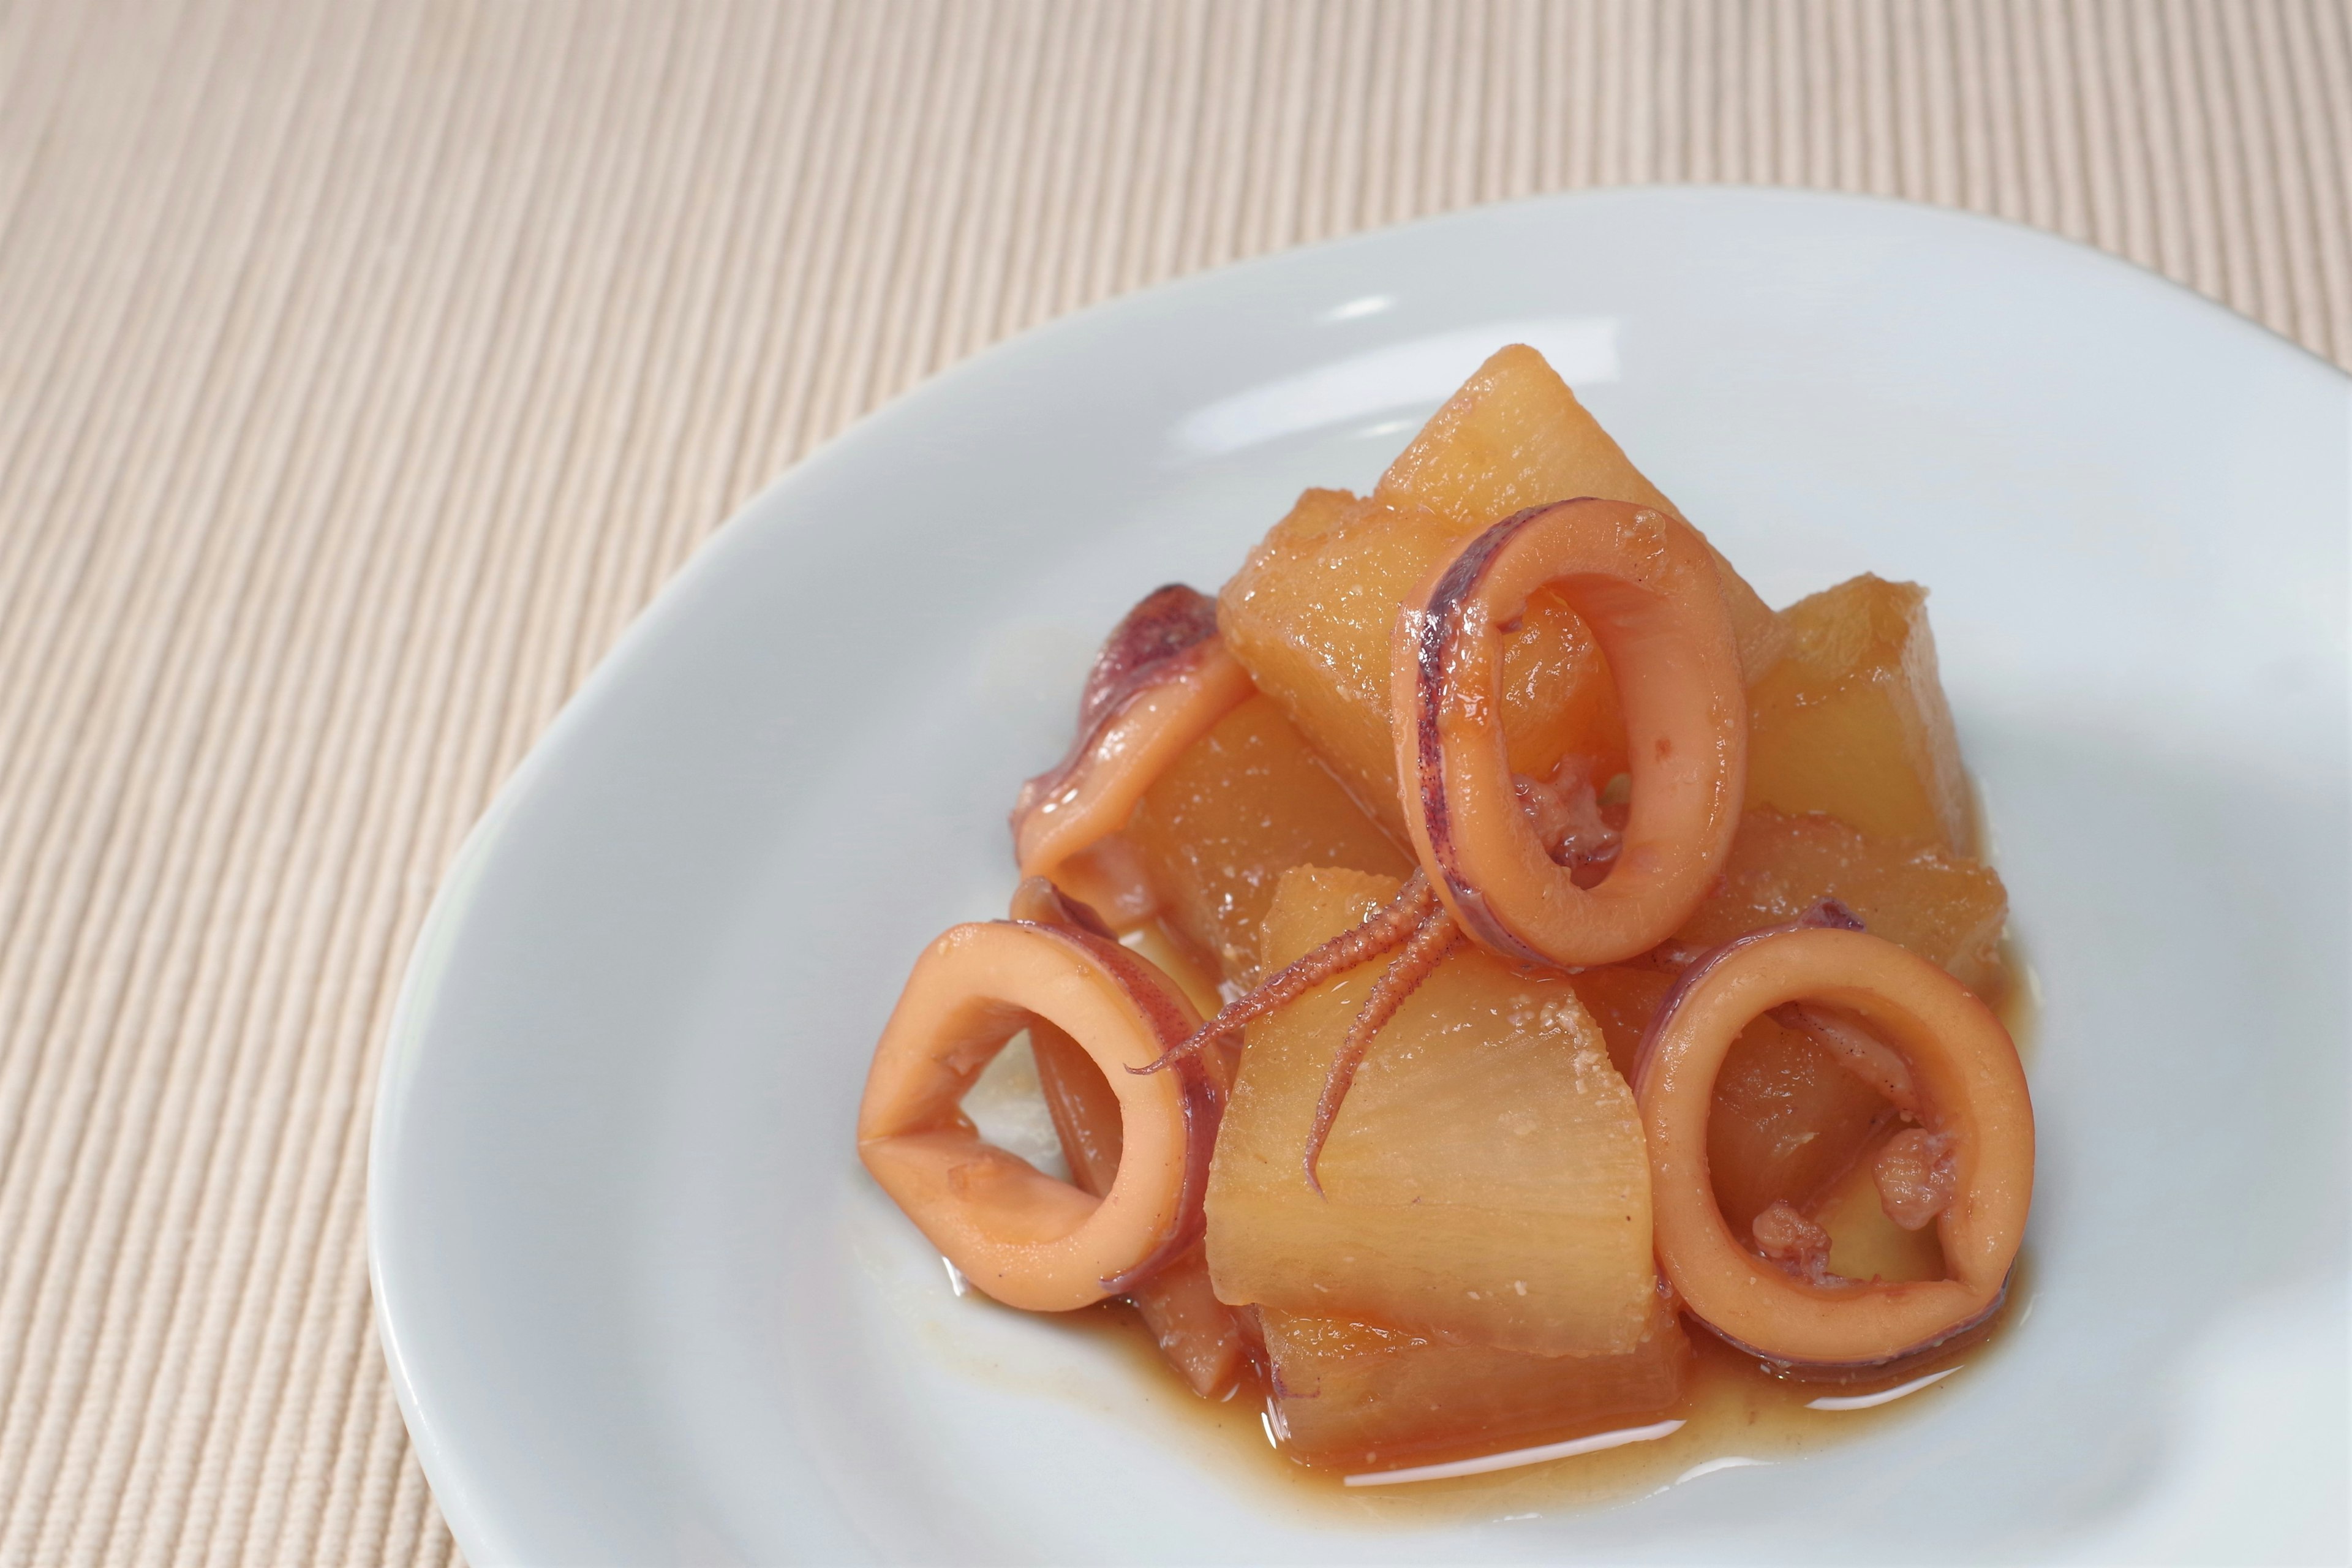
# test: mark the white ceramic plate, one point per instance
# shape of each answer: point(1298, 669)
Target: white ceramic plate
point(640, 1303)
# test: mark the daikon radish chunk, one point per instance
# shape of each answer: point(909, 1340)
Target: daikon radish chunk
point(1310, 614)
point(1853, 722)
point(1622, 999)
point(1359, 1397)
point(1864, 1242)
point(1486, 1180)
point(1787, 1121)
point(1947, 908)
point(1515, 437)
point(1244, 804)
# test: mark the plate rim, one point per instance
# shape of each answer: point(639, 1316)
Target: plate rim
point(464, 1508)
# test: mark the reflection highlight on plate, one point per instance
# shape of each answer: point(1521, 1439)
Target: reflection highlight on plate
point(1518, 1457)
point(1883, 1396)
point(1729, 1462)
point(1417, 373)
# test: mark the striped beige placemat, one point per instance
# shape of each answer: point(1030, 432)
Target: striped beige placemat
point(366, 364)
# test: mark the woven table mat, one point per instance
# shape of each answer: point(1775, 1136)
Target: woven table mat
point(364, 367)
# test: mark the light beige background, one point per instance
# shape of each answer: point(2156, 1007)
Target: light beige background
point(365, 365)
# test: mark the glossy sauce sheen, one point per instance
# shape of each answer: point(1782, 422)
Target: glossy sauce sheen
point(1734, 1413)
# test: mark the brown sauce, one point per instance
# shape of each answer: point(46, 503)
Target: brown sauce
point(1734, 1413)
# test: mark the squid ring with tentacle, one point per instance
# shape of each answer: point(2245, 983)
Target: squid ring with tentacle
point(1019, 1235)
point(1971, 1090)
point(1646, 584)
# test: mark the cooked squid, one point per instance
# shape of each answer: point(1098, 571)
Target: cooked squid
point(1161, 680)
point(1015, 1232)
point(1977, 1115)
point(1487, 836)
point(1647, 585)
point(1645, 582)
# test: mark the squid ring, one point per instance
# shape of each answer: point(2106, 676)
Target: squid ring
point(1646, 584)
point(1163, 680)
point(1019, 1235)
point(1972, 1088)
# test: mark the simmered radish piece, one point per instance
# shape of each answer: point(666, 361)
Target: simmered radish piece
point(1244, 804)
point(1310, 615)
point(1946, 908)
point(1359, 1397)
point(1853, 720)
point(1787, 1122)
point(1486, 1179)
point(1622, 999)
point(1864, 1244)
point(1316, 511)
point(1195, 1331)
point(1515, 437)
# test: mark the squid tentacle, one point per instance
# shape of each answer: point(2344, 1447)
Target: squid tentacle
point(1431, 939)
point(1385, 930)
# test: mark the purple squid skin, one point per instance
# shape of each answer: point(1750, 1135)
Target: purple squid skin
point(1202, 1101)
point(1829, 913)
point(1166, 625)
point(1873, 1370)
point(1432, 632)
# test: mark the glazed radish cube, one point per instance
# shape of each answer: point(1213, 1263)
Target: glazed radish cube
point(1621, 999)
point(1788, 1121)
point(1311, 613)
point(1515, 437)
point(1864, 1244)
point(1309, 616)
point(1947, 908)
point(1359, 1397)
point(1485, 1181)
point(1194, 1331)
point(1242, 804)
point(1852, 720)
point(1512, 437)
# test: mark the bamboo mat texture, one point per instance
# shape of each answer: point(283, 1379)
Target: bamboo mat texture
point(366, 365)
